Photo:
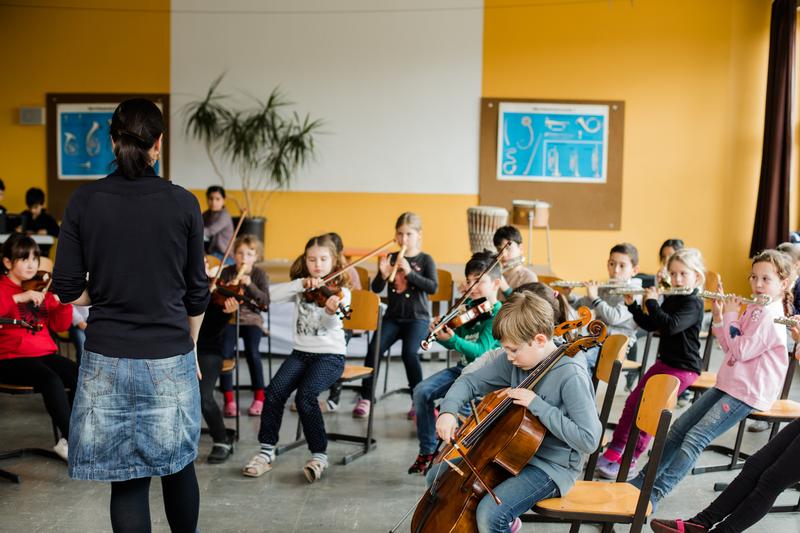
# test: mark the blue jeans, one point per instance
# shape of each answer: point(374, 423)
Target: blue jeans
point(714, 413)
point(78, 338)
point(517, 494)
point(425, 393)
point(411, 332)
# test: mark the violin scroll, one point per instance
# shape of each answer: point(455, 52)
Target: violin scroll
point(597, 335)
point(584, 317)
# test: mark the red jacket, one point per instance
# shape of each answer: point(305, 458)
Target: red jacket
point(16, 341)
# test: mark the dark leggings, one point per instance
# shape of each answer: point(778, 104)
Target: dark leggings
point(210, 368)
point(49, 375)
point(766, 474)
point(411, 332)
point(130, 503)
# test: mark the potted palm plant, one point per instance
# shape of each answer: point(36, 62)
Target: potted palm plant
point(263, 145)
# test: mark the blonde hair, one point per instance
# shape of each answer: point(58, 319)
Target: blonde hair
point(784, 266)
point(693, 259)
point(523, 316)
point(409, 219)
point(252, 242)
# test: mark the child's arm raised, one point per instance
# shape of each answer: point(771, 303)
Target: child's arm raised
point(755, 343)
point(579, 426)
point(285, 292)
point(257, 286)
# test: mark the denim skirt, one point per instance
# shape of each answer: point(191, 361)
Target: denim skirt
point(134, 418)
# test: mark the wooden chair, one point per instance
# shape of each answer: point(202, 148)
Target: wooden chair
point(782, 410)
point(547, 280)
point(443, 297)
point(16, 390)
point(707, 379)
point(213, 262)
point(363, 277)
point(608, 370)
point(620, 502)
point(366, 316)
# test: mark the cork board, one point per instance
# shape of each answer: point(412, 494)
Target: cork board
point(59, 190)
point(586, 193)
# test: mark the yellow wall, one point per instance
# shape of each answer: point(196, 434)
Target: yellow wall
point(71, 50)
point(364, 220)
point(692, 75)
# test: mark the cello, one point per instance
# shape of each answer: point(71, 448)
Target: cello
point(494, 445)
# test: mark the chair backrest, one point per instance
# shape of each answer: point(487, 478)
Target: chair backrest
point(213, 263)
point(712, 284)
point(366, 311)
point(614, 349)
point(445, 291)
point(787, 382)
point(660, 393)
point(363, 277)
point(547, 280)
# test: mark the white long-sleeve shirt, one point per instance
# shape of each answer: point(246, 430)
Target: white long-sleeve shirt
point(315, 331)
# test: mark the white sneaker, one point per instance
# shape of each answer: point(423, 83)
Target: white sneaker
point(62, 448)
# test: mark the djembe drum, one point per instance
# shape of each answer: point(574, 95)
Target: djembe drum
point(483, 221)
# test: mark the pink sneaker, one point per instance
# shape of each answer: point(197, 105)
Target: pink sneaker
point(362, 409)
point(516, 525)
point(230, 410)
point(255, 408)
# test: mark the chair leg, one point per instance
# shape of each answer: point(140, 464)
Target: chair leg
point(575, 526)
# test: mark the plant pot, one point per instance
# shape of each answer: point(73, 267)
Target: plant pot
point(252, 226)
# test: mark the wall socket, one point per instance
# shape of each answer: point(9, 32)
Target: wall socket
point(31, 116)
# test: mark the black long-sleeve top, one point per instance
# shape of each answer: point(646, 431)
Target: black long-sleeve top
point(141, 242)
point(408, 294)
point(678, 319)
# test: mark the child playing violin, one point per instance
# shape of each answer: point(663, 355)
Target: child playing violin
point(563, 401)
point(316, 361)
point(514, 272)
point(678, 319)
point(29, 356)
point(407, 315)
point(246, 250)
point(470, 340)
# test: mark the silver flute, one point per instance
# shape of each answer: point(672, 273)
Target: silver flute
point(757, 299)
point(610, 284)
point(787, 321)
point(682, 291)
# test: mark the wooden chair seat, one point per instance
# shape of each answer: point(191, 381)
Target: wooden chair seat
point(595, 497)
point(704, 334)
point(783, 410)
point(353, 372)
point(15, 389)
point(705, 381)
point(628, 365)
point(228, 365)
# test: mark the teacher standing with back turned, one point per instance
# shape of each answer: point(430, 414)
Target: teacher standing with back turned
point(137, 409)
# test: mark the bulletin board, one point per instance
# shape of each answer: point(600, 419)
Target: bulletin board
point(564, 152)
point(79, 144)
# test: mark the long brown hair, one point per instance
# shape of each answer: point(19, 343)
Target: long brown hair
point(784, 266)
point(299, 269)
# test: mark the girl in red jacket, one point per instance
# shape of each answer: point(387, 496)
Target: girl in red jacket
point(28, 357)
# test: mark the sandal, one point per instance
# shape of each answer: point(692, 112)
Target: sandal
point(258, 466)
point(313, 470)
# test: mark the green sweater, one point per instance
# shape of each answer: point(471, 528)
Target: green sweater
point(473, 341)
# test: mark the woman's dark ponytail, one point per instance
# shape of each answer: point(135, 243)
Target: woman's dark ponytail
point(135, 127)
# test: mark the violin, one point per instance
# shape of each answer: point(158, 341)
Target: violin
point(36, 327)
point(563, 329)
point(40, 282)
point(235, 289)
point(495, 443)
point(320, 296)
point(476, 311)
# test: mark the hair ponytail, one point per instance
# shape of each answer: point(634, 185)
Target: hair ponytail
point(135, 127)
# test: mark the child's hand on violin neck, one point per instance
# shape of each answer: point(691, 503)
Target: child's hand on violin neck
point(444, 334)
point(29, 296)
point(332, 304)
point(311, 283)
point(522, 397)
point(446, 426)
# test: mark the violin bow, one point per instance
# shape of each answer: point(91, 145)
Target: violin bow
point(228, 250)
point(454, 310)
point(334, 275)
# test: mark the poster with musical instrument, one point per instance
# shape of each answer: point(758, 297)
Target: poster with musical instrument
point(84, 140)
point(539, 141)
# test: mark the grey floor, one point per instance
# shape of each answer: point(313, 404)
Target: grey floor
point(370, 494)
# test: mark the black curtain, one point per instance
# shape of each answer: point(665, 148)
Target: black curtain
point(771, 225)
